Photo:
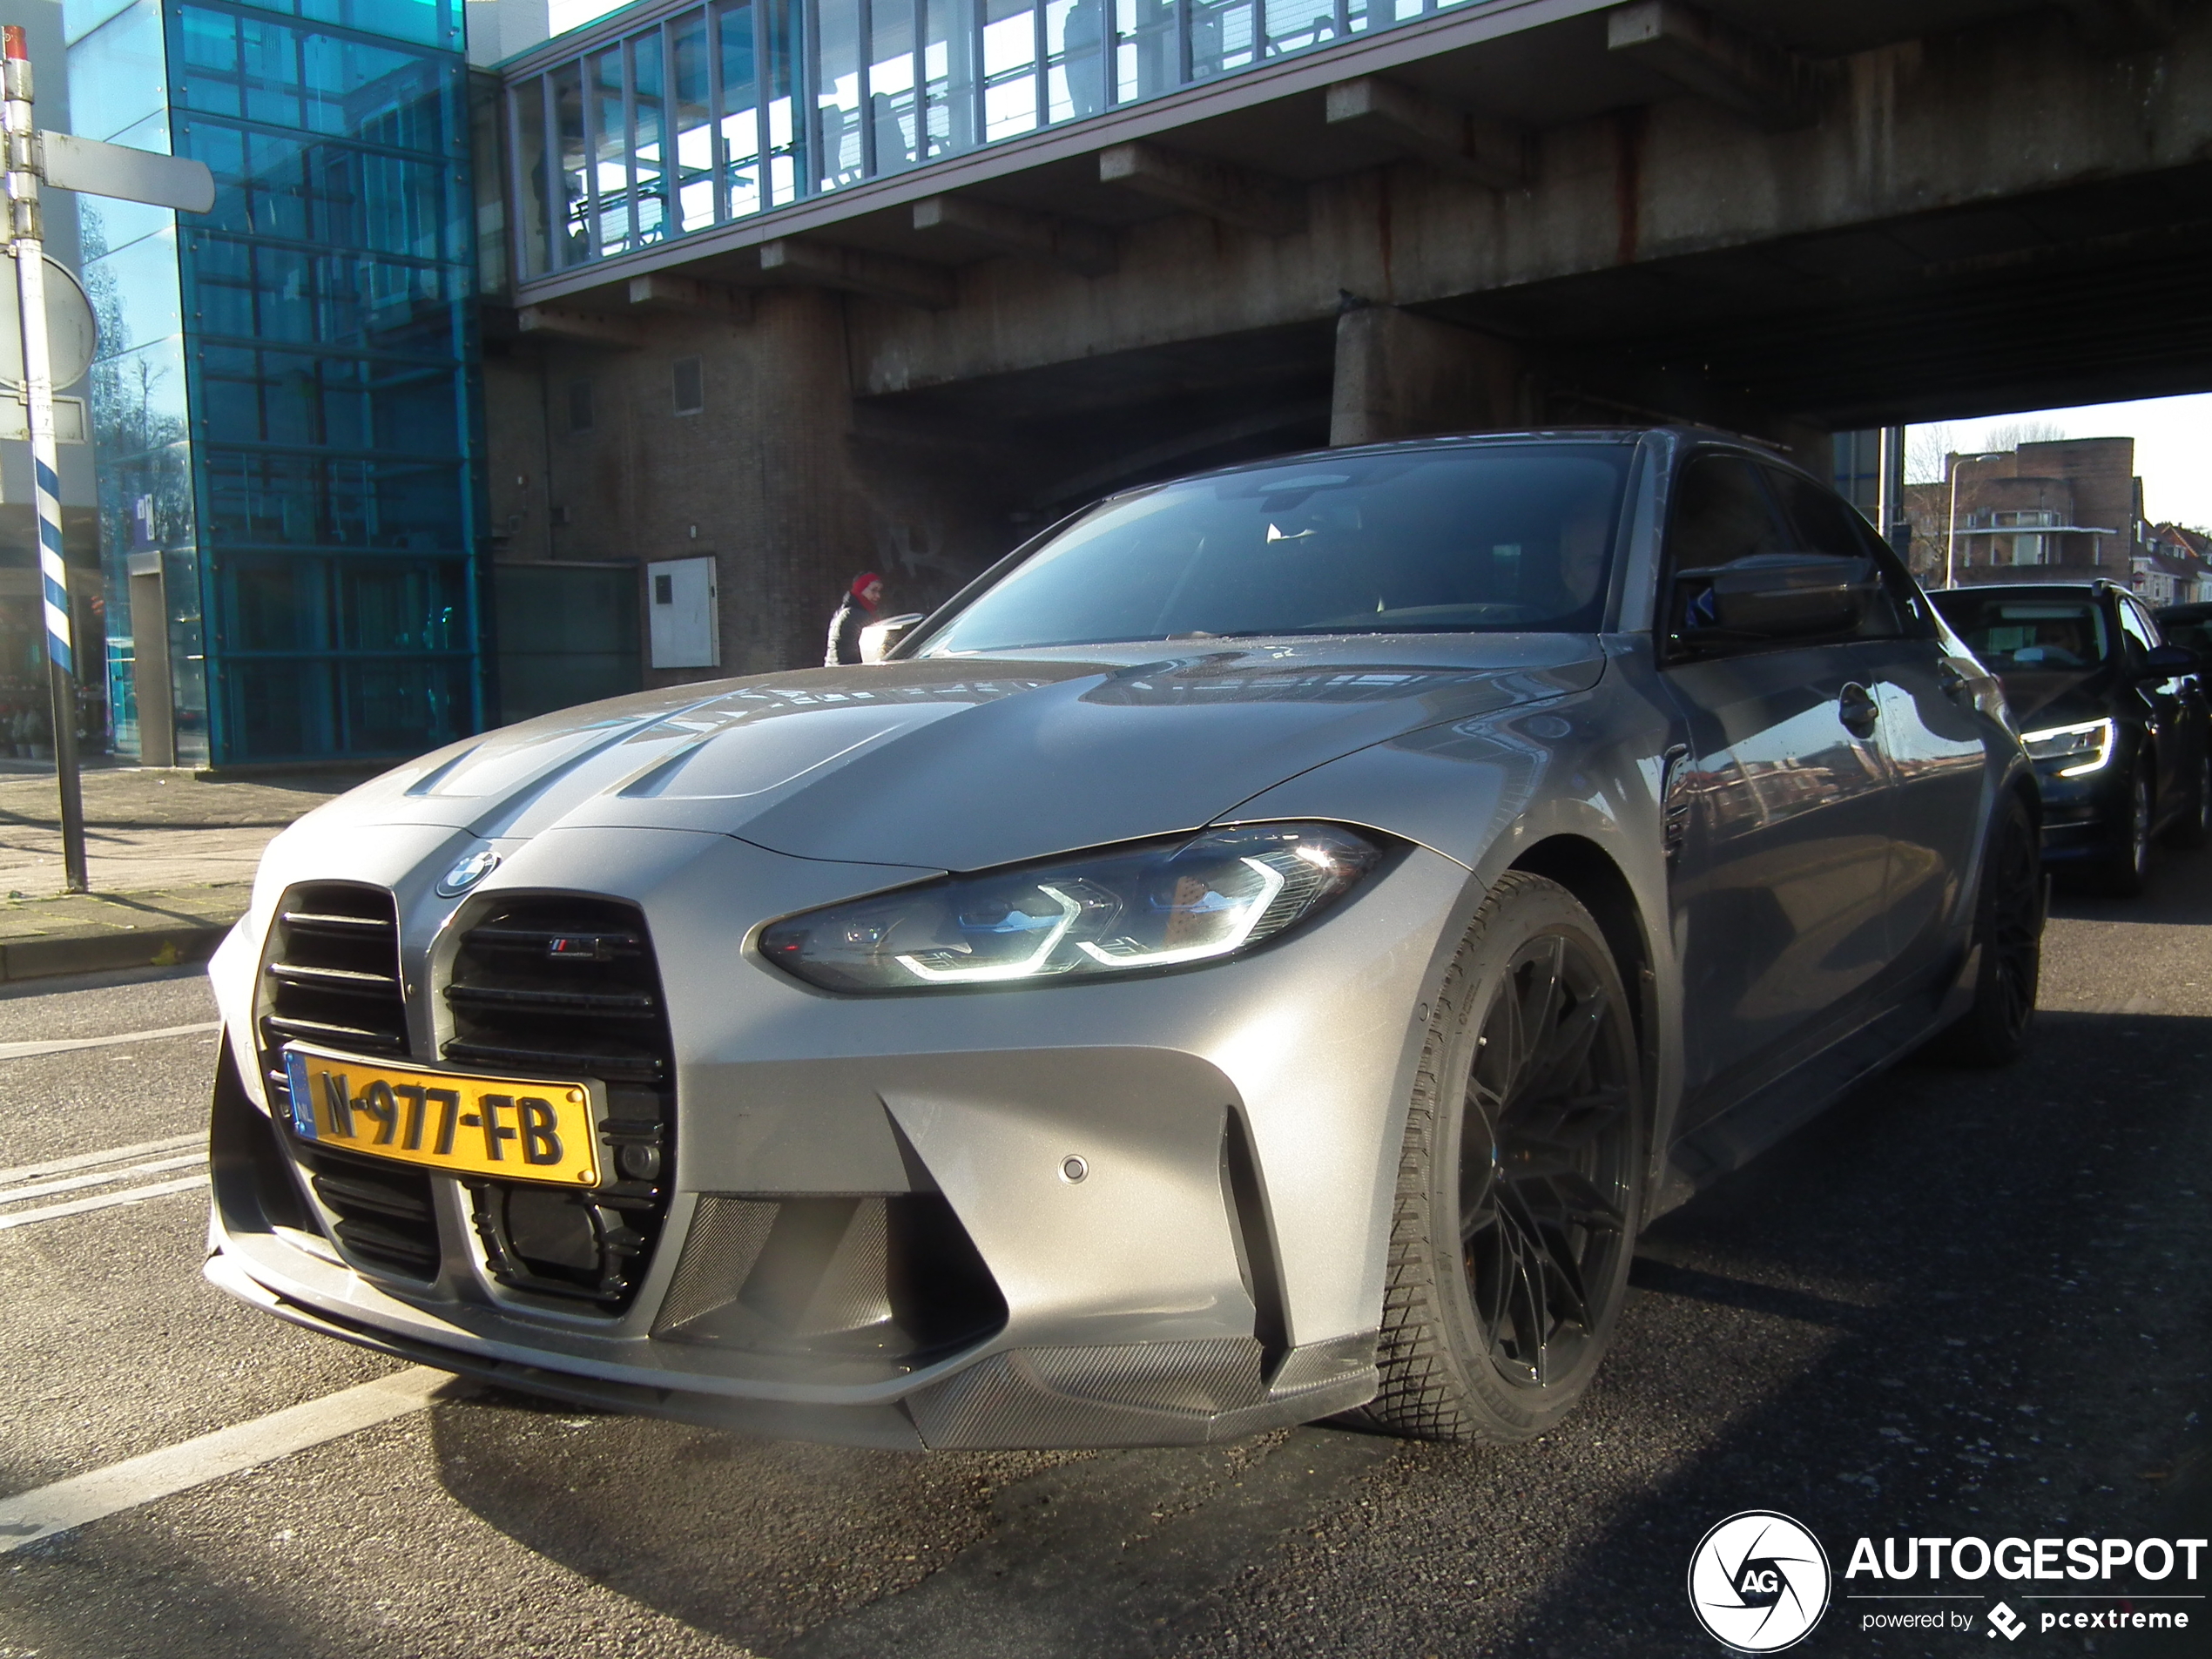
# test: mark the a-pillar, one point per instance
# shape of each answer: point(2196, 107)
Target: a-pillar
point(1400, 376)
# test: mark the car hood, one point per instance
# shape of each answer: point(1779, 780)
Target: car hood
point(969, 762)
point(2057, 699)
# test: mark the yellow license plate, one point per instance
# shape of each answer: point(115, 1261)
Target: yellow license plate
point(517, 1129)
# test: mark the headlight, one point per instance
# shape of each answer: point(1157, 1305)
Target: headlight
point(2083, 748)
point(1161, 905)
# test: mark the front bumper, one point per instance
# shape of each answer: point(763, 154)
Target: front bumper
point(1219, 1270)
point(2085, 818)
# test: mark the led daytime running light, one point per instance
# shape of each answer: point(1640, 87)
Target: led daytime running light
point(1032, 964)
point(1271, 884)
point(2094, 738)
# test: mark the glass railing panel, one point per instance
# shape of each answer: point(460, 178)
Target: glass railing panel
point(1013, 38)
point(949, 70)
point(693, 121)
point(572, 178)
point(891, 135)
point(649, 183)
point(612, 227)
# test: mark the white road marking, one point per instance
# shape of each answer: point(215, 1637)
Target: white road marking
point(85, 1497)
point(98, 1178)
point(113, 1155)
point(104, 1201)
point(64, 1045)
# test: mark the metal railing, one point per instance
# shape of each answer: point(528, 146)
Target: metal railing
point(712, 113)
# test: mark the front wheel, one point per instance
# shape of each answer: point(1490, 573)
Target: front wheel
point(1519, 1180)
point(2125, 870)
point(2008, 927)
point(2194, 826)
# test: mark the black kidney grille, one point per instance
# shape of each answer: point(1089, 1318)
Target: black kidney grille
point(331, 977)
point(565, 988)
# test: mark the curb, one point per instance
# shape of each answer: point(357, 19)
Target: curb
point(44, 958)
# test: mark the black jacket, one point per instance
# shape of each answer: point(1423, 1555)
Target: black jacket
point(845, 633)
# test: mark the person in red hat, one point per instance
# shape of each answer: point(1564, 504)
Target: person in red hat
point(856, 612)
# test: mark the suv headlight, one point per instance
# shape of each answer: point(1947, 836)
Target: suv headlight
point(2078, 749)
point(1160, 905)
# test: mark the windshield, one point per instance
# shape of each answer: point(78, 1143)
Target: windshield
point(1494, 538)
point(2017, 635)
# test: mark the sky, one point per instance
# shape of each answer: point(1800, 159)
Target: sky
point(2172, 448)
point(574, 14)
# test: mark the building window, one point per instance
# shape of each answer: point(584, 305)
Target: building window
point(579, 406)
point(690, 386)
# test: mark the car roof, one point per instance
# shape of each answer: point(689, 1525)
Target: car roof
point(2095, 588)
point(1620, 434)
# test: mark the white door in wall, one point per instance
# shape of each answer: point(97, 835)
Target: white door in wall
point(683, 620)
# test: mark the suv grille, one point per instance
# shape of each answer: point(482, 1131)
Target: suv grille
point(331, 977)
point(563, 987)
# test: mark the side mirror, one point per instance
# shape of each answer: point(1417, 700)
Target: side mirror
point(2168, 662)
point(1771, 596)
point(878, 637)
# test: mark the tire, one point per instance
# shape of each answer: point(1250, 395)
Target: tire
point(2122, 872)
point(2008, 927)
point(2194, 827)
point(1520, 1184)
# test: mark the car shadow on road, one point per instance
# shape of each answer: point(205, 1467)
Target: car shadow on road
point(2178, 889)
point(1959, 1303)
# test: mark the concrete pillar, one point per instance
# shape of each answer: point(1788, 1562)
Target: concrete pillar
point(1400, 376)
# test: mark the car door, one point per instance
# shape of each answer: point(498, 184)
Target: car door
point(1779, 805)
point(1931, 739)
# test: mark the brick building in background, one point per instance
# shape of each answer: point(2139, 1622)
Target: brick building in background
point(2058, 511)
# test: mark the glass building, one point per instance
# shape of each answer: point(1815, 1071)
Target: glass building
point(285, 414)
point(670, 120)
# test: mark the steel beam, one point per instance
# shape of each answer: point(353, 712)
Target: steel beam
point(665, 291)
point(1767, 85)
point(1085, 249)
point(879, 276)
point(583, 328)
point(1488, 151)
point(1215, 189)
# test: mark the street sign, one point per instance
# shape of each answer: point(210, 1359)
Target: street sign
point(71, 334)
point(130, 175)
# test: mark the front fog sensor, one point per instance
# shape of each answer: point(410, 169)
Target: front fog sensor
point(1073, 1170)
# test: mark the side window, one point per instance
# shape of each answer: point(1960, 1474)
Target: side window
point(1825, 524)
point(1721, 514)
point(2137, 627)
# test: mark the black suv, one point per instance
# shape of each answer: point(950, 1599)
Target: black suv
point(2114, 719)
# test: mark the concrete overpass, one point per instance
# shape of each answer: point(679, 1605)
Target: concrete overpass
point(1788, 217)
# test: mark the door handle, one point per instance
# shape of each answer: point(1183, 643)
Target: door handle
point(1859, 710)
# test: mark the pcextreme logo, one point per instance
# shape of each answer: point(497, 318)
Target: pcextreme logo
point(1758, 1583)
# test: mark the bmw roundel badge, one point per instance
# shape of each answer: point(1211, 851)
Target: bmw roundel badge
point(465, 874)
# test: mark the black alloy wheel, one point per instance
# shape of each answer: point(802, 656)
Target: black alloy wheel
point(1543, 1176)
point(2125, 872)
point(2008, 927)
point(2194, 826)
point(1519, 1189)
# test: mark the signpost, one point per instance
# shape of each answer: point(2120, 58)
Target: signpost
point(85, 165)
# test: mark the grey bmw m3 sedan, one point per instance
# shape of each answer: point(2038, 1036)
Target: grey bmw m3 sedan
point(1261, 952)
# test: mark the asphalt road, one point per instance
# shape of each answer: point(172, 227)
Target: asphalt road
point(1958, 1304)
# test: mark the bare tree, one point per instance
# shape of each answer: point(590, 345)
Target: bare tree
point(1926, 450)
point(2014, 434)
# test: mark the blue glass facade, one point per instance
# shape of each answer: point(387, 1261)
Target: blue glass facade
point(286, 411)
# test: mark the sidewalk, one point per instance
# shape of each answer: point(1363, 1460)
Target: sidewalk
point(170, 857)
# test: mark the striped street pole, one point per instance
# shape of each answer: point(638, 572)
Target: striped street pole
point(26, 243)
